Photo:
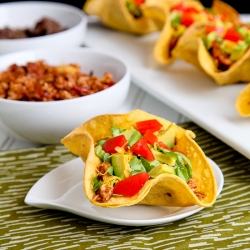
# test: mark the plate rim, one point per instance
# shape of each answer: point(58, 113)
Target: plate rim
point(47, 204)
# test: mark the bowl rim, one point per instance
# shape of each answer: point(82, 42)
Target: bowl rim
point(63, 6)
point(75, 49)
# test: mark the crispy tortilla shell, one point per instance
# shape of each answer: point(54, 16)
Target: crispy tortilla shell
point(115, 15)
point(192, 50)
point(165, 189)
point(161, 51)
point(243, 101)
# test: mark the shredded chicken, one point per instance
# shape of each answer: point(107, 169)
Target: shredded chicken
point(221, 59)
point(193, 186)
point(103, 194)
point(102, 171)
point(38, 81)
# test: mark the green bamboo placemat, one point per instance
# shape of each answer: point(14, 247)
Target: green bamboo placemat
point(226, 225)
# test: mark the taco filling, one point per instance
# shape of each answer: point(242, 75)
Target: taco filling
point(133, 7)
point(139, 158)
point(183, 15)
point(226, 43)
point(130, 157)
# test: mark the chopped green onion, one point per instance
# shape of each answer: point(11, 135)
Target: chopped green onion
point(99, 152)
point(96, 184)
point(149, 164)
point(110, 170)
point(136, 136)
point(101, 142)
point(106, 157)
point(116, 131)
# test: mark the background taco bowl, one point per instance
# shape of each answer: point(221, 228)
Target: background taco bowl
point(115, 15)
point(242, 103)
point(162, 48)
point(192, 50)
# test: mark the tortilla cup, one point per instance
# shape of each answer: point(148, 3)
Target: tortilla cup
point(243, 102)
point(162, 51)
point(192, 50)
point(165, 189)
point(115, 15)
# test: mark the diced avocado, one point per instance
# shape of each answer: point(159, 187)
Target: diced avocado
point(238, 51)
point(175, 19)
point(161, 169)
point(168, 136)
point(211, 37)
point(128, 133)
point(180, 29)
point(164, 158)
point(244, 31)
point(132, 136)
point(120, 162)
point(228, 46)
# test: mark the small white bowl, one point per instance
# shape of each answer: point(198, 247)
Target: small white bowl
point(49, 122)
point(21, 15)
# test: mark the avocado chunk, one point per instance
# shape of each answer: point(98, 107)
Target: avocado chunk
point(161, 169)
point(238, 51)
point(132, 136)
point(128, 133)
point(120, 163)
point(168, 136)
point(164, 158)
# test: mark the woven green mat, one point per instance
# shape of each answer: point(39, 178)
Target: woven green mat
point(226, 225)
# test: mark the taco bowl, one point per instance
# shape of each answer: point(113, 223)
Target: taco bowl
point(243, 102)
point(179, 17)
point(170, 171)
point(123, 15)
point(220, 49)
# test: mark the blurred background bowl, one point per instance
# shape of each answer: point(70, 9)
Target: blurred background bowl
point(22, 15)
point(49, 122)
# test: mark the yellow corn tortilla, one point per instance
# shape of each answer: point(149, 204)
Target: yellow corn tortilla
point(115, 15)
point(162, 46)
point(243, 101)
point(192, 50)
point(165, 189)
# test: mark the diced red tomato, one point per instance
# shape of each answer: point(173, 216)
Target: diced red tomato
point(163, 145)
point(179, 6)
point(117, 141)
point(210, 28)
point(187, 19)
point(150, 137)
point(152, 125)
point(138, 2)
point(141, 148)
point(191, 9)
point(183, 8)
point(223, 16)
point(131, 185)
point(232, 35)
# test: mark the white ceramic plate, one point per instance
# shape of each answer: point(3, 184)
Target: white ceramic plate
point(179, 85)
point(62, 189)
